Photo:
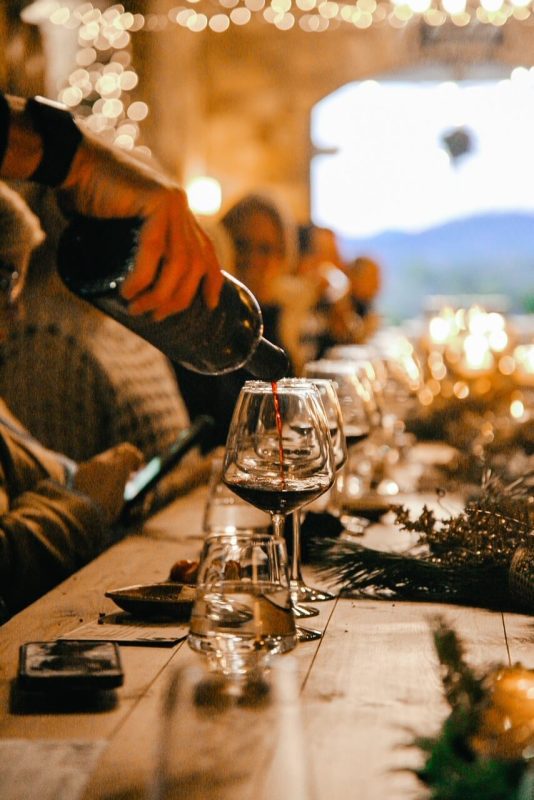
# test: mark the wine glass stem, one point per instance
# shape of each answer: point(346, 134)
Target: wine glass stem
point(296, 574)
point(279, 523)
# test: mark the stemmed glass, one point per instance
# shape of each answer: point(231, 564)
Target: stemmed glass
point(300, 591)
point(361, 415)
point(279, 453)
point(359, 409)
point(394, 370)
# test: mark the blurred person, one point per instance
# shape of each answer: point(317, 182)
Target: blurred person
point(41, 142)
point(265, 241)
point(98, 383)
point(365, 278)
point(330, 319)
point(55, 515)
point(351, 318)
point(318, 250)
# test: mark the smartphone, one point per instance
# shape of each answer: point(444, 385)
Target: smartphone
point(148, 476)
point(69, 665)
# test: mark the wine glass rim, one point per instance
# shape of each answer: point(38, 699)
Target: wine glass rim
point(283, 385)
point(322, 382)
point(250, 537)
point(333, 367)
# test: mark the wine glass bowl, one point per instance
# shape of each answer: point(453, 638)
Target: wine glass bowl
point(278, 452)
point(359, 408)
point(332, 408)
point(361, 416)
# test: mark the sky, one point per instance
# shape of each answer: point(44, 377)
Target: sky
point(391, 169)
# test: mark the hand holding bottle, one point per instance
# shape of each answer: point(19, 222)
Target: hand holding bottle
point(104, 477)
point(174, 255)
point(42, 143)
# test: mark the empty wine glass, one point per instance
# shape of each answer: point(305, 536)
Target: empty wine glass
point(359, 408)
point(361, 415)
point(279, 451)
point(300, 591)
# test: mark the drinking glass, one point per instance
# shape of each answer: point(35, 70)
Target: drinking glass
point(228, 738)
point(359, 408)
point(395, 372)
point(299, 589)
point(225, 512)
point(242, 611)
point(279, 452)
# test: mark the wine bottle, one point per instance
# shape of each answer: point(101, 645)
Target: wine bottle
point(96, 255)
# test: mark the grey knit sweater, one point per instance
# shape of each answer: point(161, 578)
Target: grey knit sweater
point(81, 383)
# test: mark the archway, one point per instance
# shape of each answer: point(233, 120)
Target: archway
point(433, 177)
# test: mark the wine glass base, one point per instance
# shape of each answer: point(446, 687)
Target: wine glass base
point(308, 634)
point(355, 526)
point(308, 594)
point(301, 612)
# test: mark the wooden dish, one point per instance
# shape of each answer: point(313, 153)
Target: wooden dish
point(174, 600)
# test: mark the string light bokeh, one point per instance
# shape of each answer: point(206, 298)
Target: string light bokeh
point(103, 85)
point(98, 88)
point(470, 352)
point(115, 25)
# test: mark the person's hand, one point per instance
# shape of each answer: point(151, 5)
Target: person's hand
point(104, 477)
point(175, 255)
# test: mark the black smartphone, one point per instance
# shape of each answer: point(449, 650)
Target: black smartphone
point(148, 476)
point(69, 665)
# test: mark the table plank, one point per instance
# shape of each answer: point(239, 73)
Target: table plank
point(375, 684)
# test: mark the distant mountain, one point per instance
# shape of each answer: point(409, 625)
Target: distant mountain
point(485, 254)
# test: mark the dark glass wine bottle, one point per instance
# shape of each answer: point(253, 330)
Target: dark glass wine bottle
point(95, 256)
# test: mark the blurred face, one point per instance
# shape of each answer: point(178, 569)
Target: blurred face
point(259, 253)
point(365, 280)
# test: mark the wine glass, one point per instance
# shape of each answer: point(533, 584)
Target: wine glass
point(361, 415)
point(279, 452)
point(394, 368)
point(300, 591)
point(359, 409)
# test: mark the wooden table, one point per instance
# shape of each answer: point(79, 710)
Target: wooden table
point(366, 685)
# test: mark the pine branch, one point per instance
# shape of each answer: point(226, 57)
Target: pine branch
point(453, 770)
point(355, 569)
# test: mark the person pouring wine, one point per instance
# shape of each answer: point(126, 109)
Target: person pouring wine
point(41, 142)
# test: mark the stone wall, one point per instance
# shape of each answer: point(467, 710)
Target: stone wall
point(237, 105)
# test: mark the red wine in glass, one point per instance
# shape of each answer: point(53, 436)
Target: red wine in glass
point(278, 418)
point(276, 500)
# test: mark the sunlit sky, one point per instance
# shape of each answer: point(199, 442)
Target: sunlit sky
point(391, 169)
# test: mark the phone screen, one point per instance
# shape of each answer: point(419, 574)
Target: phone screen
point(69, 664)
point(147, 477)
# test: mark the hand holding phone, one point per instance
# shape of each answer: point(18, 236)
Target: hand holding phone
point(103, 477)
point(145, 479)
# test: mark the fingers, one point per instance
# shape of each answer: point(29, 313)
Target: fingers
point(213, 280)
point(129, 456)
point(175, 256)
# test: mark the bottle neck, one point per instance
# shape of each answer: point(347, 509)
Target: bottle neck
point(268, 362)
